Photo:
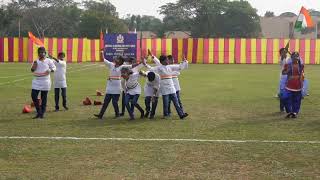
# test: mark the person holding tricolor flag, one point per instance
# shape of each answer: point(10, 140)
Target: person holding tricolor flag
point(304, 21)
point(294, 85)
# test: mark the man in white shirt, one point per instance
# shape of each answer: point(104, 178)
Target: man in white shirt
point(41, 82)
point(60, 81)
point(167, 88)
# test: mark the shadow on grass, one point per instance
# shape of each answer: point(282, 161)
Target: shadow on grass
point(110, 121)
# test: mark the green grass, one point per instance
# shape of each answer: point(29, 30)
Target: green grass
point(224, 102)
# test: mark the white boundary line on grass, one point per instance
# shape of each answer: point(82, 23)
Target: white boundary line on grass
point(6, 77)
point(77, 70)
point(163, 140)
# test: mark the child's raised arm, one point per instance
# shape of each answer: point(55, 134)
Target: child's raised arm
point(107, 62)
point(155, 59)
point(34, 66)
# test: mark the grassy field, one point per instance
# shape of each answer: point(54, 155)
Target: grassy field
point(225, 102)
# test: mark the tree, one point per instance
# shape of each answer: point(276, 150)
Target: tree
point(102, 6)
point(97, 16)
point(241, 20)
point(269, 14)
point(176, 16)
point(44, 18)
point(212, 18)
point(314, 12)
point(145, 23)
point(288, 14)
point(59, 18)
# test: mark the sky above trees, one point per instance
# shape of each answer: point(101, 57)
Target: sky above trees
point(151, 7)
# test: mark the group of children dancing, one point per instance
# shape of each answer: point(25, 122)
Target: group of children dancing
point(162, 79)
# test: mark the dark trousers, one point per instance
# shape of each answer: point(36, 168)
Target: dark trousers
point(283, 106)
point(123, 103)
point(293, 102)
point(57, 96)
point(151, 106)
point(107, 99)
point(166, 101)
point(179, 101)
point(34, 95)
point(131, 102)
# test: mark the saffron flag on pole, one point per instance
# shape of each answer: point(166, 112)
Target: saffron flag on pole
point(304, 20)
point(101, 44)
point(35, 40)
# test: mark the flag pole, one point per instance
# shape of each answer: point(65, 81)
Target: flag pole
point(292, 32)
point(141, 50)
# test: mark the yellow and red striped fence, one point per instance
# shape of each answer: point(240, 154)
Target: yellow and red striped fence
point(76, 49)
point(197, 50)
point(232, 51)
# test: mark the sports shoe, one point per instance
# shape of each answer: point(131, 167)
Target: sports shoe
point(289, 115)
point(36, 117)
point(184, 116)
point(146, 115)
point(142, 115)
point(294, 116)
point(98, 116)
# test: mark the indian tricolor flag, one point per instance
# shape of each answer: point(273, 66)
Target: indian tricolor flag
point(304, 20)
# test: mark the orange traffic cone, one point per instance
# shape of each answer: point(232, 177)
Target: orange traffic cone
point(87, 102)
point(26, 109)
point(97, 103)
point(99, 93)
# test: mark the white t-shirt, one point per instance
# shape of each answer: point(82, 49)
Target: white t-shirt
point(150, 86)
point(132, 84)
point(60, 80)
point(114, 79)
point(134, 70)
point(175, 79)
point(43, 83)
point(165, 72)
point(175, 74)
